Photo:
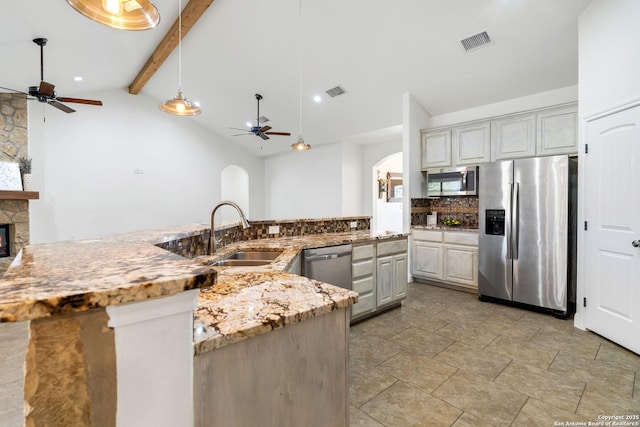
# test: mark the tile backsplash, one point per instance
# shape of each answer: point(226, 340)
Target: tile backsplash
point(463, 208)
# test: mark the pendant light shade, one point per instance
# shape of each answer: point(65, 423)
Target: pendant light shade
point(179, 105)
point(300, 145)
point(121, 14)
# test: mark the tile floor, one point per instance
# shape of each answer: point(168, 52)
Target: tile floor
point(446, 359)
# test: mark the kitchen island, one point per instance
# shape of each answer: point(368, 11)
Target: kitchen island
point(79, 299)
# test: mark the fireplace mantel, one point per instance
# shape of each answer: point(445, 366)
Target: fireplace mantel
point(19, 195)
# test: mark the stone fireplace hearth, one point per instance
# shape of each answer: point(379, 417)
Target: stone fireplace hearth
point(14, 209)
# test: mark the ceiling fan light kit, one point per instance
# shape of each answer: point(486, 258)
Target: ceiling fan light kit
point(134, 15)
point(179, 105)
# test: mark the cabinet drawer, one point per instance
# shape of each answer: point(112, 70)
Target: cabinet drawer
point(428, 235)
point(393, 247)
point(461, 238)
point(362, 268)
point(362, 252)
point(364, 285)
point(365, 304)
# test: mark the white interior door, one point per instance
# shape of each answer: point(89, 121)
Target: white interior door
point(612, 196)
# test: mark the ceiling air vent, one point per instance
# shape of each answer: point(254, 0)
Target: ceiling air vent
point(476, 41)
point(336, 91)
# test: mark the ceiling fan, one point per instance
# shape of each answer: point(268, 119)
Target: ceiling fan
point(263, 131)
point(46, 93)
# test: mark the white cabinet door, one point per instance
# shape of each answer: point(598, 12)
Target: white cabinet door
point(436, 149)
point(400, 276)
point(557, 131)
point(513, 137)
point(427, 260)
point(385, 280)
point(461, 265)
point(472, 144)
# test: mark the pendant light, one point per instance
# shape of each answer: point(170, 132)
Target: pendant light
point(179, 105)
point(300, 145)
point(121, 14)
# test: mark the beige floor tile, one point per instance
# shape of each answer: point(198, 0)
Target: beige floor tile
point(418, 370)
point(594, 403)
point(372, 350)
point(539, 413)
point(543, 319)
point(426, 321)
point(357, 418)
point(384, 326)
point(485, 364)
point(484, 399)
point(555, 389)
point(618, 356)
point(503, 311)
point(421, 341)
point(402, 405)
point(509, 328)
point(525, 352)
point(581, 343)
point(467, 333)
point(470, 315)
point(366, 383)
point(468, 420)
point(604, 375)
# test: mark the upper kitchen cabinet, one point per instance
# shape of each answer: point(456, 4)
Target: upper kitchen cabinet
point(513, 137)
point(471, 144)
point(557, 131)
point(436, 149)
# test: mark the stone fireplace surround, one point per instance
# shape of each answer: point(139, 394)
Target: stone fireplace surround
point(13, 145)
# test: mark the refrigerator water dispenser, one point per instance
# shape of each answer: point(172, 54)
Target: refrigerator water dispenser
point(494, 222)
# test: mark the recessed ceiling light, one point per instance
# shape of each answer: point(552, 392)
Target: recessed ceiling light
point(248, 124)
point(78, 79)
point(317, 98)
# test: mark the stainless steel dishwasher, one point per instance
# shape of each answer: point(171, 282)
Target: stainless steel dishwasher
point(331, 264)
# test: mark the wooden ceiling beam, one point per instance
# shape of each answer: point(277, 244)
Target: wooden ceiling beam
point(190, 15)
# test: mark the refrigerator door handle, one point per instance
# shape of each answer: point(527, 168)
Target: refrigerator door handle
point(515, 221)
point(509, 222)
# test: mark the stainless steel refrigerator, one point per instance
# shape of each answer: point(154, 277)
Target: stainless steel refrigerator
point(527, 232)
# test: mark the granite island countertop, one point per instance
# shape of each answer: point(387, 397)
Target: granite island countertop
point(248, 301)
point(69, 277)
point(235, 303)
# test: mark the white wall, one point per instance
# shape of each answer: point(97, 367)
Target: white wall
point(608, 70)
point(414, 119)
point(84, 168)
point(304, 184)
point(351, 179)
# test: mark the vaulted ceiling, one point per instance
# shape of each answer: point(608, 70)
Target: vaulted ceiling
point(377, 50)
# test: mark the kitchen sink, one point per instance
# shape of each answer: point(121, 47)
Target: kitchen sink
point(252, 258)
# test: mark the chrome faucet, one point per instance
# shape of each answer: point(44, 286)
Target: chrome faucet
point(245, 223)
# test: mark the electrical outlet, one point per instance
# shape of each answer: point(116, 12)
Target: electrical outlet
point(274, 229)
point(354, 224)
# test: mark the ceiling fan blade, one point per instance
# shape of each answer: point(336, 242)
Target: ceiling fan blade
point(263, 136)
point(242, 134)
point(279, 133)
point(61, 106)
point(46, 88)
point(245, 130)
point(265, 128)
point(79, 101)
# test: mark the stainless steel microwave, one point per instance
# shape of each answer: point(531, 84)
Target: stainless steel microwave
point(462, 181)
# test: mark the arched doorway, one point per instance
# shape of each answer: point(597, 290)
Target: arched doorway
point(387, 194)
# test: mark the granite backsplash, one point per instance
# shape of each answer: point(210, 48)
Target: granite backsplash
point(462, 208)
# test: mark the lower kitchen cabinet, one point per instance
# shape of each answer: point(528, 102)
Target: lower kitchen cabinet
point(363, 276)
point(379, 275)
point(446, 257)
